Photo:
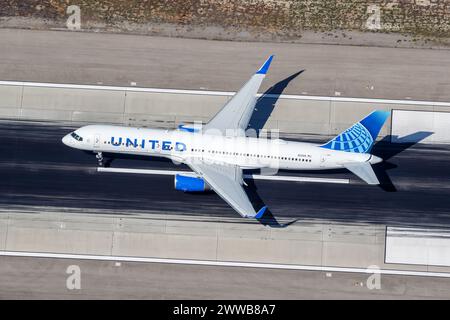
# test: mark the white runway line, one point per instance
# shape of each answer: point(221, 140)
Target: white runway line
point(246, 176)
point(223, 264)
point(220, 93)
point(143, 171)
point(296, 179)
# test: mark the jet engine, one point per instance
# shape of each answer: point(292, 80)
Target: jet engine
point(190, 184)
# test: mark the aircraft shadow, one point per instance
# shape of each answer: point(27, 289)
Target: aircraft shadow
point(110, 157)
point(266, 103)
point(268, 219)
point(386, 150)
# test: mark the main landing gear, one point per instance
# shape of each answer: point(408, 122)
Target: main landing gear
point(99, 157)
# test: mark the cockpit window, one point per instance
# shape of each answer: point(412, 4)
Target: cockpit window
point(76, 137)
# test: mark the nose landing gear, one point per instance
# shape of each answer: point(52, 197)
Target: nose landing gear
point(99, 157)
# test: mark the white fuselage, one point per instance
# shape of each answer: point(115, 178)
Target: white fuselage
point(179, 145)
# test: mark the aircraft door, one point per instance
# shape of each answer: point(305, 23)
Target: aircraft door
point(97, 140)
point(324, 159)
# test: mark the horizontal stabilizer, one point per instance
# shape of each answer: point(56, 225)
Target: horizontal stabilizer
point(363, 170)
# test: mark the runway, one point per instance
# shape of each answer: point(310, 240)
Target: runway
point(39, 172)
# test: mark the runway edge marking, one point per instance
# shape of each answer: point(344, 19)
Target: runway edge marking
point(224, 264)
point(220, 93)
point(246, 176)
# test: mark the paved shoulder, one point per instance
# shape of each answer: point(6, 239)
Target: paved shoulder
point(115, 59)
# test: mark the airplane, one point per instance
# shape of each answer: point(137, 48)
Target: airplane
point(220, 150)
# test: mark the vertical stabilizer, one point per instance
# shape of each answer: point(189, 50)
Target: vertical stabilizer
point(361, 136)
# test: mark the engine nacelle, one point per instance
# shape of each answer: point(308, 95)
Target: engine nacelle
point(190, 184)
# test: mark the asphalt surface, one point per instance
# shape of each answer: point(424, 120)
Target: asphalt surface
point(44, 278)
point(38, 171)
point(118, 59)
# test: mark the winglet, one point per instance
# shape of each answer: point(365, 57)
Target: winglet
point(265, 66)
point(182, 127)
point(261, 212)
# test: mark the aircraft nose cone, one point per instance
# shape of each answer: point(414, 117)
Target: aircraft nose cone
point(375, 159)
point(66, 140)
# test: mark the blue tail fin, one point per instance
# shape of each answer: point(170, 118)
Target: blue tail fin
point(361, 136)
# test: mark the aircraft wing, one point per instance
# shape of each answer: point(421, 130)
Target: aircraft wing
point(226, 180)
point(236, 114)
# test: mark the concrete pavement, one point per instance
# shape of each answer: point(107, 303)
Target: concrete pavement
point(115, 59)
point(44, 278)
point(167, 108)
